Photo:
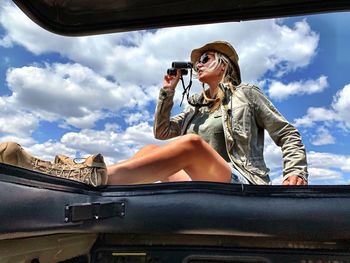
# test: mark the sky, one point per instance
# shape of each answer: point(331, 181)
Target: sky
point(97, 94)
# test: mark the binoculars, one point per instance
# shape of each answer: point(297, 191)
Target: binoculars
point(183, 66)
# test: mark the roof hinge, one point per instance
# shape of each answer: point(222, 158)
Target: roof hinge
point(93, 211)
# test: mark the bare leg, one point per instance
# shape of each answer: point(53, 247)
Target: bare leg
point(146, 150)
point(189, 152)
point(177, 177)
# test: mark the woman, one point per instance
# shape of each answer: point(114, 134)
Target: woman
point(220, 137)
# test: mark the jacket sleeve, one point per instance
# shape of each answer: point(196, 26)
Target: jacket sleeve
point(164, 126)
point(284, 134)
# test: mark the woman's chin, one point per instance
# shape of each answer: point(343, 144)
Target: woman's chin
point(202, 77)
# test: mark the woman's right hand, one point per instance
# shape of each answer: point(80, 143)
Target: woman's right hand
point(170, 81)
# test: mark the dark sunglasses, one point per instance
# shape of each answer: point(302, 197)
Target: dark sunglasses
point(203, 59)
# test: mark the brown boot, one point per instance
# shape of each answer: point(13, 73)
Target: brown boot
point(91, 161)
point(92, 171)
point(62, 159)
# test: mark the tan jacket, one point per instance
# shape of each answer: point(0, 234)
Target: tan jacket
point(245, 113)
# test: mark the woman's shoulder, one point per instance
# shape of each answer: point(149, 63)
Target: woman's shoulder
point(250, 91)
point(247, 93)
point(246, 87)
point(241, 88)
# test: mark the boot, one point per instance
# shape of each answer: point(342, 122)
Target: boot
point(62, 159)
point(93, 160)
point(92, 171)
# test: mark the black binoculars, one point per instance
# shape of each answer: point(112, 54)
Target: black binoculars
point(183, 66)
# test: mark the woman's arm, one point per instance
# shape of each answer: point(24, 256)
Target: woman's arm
point(164, 126)
point(284, 135)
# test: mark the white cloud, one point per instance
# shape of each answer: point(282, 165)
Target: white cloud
point(323, 137)
point(273, 160)
point(316, 115)
point(323, 174)
point(6, 42)
point(69, 91)
point(341, 104)
point(49, 149)
point(273, 154)
point(23, 140)
point(90, 141)
point(86, 121)
point(82, 92)
point(140, 134)
point(19, 123)
point(329, 160)
point(337, 114)
point(115, 145)
point(323, 168)
point(142, 57)
point(78, 94)
point(15, 122)
point(135, 118)
point(23, 31)
point(280, 91)
point(276, 48)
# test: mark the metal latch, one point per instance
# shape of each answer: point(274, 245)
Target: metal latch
point(93, 211)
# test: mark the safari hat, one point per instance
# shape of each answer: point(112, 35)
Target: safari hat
point(224, 48)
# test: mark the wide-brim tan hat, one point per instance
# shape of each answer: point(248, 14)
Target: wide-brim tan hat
point(224, 48)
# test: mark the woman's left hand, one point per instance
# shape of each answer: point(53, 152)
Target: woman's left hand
point(294, 180)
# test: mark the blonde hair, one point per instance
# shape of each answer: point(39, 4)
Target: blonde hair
point(229, 79)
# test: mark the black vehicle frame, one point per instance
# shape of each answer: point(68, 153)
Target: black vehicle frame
point(47, 219)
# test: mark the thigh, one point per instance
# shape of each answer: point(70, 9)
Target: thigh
point(205, 164)
point(146, 150)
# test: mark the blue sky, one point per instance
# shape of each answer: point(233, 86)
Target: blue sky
point(83, 95)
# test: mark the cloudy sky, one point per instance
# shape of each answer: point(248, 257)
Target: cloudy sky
point(84, 95)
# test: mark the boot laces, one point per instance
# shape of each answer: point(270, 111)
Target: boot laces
point(78, 172)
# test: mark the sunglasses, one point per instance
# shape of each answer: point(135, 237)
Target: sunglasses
point(203, 58)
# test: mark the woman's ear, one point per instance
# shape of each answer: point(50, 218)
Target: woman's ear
point(223, 67)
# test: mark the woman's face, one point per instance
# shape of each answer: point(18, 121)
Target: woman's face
point(204, 73)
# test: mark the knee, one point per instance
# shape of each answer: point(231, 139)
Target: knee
point(193, 141)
